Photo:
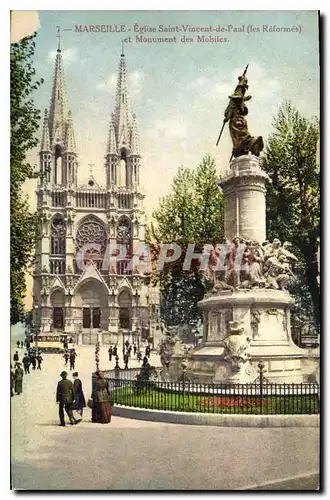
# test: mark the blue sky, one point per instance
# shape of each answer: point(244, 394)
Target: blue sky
point(178, 91)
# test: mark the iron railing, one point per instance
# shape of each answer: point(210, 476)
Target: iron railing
point(129, 374)
point(260, 397)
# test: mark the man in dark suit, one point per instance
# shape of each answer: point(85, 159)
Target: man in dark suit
point(65, 398)
point(26, 363)
point(73, 356)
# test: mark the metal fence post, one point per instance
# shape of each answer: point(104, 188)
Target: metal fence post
point(184, 369)
point(261, 366)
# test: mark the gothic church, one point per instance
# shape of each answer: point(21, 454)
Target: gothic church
point(92, 302)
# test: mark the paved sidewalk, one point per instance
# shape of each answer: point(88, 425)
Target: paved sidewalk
point(131, 454)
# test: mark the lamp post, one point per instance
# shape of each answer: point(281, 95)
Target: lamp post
point(97, 355)
point(261, 366)
point(184, 369)
point(36, 307)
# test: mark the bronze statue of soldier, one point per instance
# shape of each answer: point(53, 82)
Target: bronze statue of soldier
point(243, 142)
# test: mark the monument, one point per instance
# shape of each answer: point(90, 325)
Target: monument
point(246, 317)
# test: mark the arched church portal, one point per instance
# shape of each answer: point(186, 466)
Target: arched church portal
point(125, 309)
point(91, 298)
point(57, 303)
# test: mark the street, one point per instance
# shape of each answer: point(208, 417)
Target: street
point(130, 454)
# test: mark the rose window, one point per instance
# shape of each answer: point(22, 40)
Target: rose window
point(90, 232)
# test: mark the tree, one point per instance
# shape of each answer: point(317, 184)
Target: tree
point(24, 122)
point(191, 214)
point(293, 200)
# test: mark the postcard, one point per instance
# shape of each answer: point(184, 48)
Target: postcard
point(165, 234)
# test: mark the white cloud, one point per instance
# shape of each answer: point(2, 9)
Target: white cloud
point(68, 55)
point(199, 83)
point(136, 80)
point(221, 90)
point(172, 128)
point(109, 84)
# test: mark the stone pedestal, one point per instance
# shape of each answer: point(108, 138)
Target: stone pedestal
point(265, 316)
point(244, 199)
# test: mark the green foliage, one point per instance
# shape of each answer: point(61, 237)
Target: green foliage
point(293, 202)
point(191, 213)
point(24, 122)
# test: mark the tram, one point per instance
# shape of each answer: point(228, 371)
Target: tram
point(52, 342)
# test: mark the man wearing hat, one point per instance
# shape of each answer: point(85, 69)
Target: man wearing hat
point(65, 398)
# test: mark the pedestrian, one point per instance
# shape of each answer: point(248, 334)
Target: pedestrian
point(39, 359)
point(145, 361)
point(126, 360)
point(26, 363)
point(148, 351)
point(134, 349)
point(114, 351)
point(33, 360)
point(18, 344)
point(72, 359)
point(101, 409)
point(12, 381)
point(139, 355)
point(66, 358)
point(16, 357)
point(22, 344)
point(129, 351)
point(79, 398)
point(110, 353)
point(65, 398)
point(18, 379)
point(127, 344)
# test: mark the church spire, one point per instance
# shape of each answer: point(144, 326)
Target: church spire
point(45, 141)
point(134, 138)
point(58, 155)
point(58, 111)
point(122, 118)
point(70, 142)
point(122, 155)
point(112, 148)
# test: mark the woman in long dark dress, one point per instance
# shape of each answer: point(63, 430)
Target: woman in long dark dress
point(12, 381)
point(101, 410)
point(19, 379)
point(79, 401)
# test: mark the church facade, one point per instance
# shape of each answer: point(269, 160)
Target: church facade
point(77, 288)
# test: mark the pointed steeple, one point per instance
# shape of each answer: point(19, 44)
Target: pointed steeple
point(58, 110)
point(135, 148)
point(122, 118)
point(70, 143)
point(45, 141)
point(111, 148)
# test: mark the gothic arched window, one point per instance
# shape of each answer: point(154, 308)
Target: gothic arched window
point(58, 165)
point(57, 245)
point(92, 231)
point(124, 237)
point(123, 169)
